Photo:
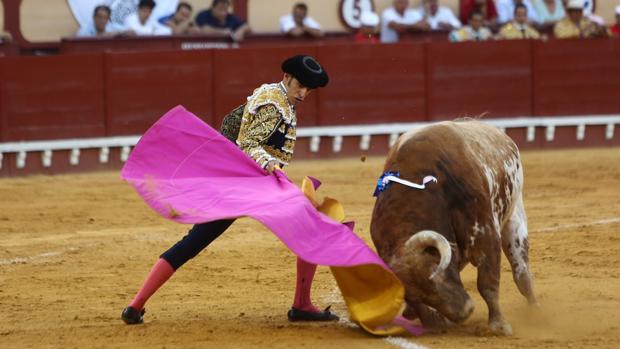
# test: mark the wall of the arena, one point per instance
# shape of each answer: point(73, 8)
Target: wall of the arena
point(51, 20)
point(77, 96)
point(106, 94)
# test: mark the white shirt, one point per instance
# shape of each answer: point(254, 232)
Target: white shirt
point(132, 22)
point(389, 15)
point(288, 22)
point(443, 14)
point(90, 31)
point(543, 12)
point(506, 11)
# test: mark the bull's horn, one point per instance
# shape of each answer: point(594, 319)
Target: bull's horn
point(422, 239)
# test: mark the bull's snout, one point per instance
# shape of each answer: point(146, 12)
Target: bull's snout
point(458, 314)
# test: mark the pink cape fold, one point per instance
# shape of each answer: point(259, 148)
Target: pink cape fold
point(189, 173)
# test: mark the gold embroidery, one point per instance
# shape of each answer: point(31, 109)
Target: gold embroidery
point(232, 123)
point(566, 29)
point(267, 112)
point(271, 94)
point(512, 31)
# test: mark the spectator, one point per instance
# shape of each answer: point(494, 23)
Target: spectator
point(486, 7)
point(367, 33)
point(519, 27)
point(298, 23)
point(575, 25)
point(399, 19)
point(588, 12)
point(549, 11)
point(614, 30)
point(5, 37)
point(181, 22)
point(475, 31)
point(141, 22)
point(217, 20)
point(506, 10)
point(438, 17)
point(101, 26)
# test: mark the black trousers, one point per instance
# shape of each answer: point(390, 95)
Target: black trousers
point(196, 240)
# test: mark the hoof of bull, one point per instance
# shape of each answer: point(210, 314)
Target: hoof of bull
point(500, 328)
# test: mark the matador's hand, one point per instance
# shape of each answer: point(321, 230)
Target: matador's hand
point(272, 166)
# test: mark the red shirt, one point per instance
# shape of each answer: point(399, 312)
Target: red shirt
point(361, 38)
point(615, 30)
point(468, 6)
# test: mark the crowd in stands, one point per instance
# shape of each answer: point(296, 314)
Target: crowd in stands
point(483, 19)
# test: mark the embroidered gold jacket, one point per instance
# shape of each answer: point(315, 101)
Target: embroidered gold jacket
point(514, 31)
point(567, 29)
point(268, 126)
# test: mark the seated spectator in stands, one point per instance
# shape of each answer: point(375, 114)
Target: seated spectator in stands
point(588, 12)
point(298, 23)
point(181, 22)
point(575, 25)
point(101, 26)
point(367, 33)
point(438, 17)
point(142, 23)
point(400, 19)
point(614, 30)
point(506, 11)
point(486, 7)
point(5, 37)
point(519, 27)
point(217, 20)
point(549, 11)
point(475, 31)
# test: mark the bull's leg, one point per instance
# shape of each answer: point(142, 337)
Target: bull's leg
point(516, 248)
point(488, 286)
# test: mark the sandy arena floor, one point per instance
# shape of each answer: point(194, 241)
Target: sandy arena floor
point(74, 249)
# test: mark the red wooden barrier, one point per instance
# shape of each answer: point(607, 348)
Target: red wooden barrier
point(574, 77)
point(192, 42)
point(239, 72)
point(140, 87)
point(2, 59)
point(52, 97)
point(372, 84)
point(472, 78)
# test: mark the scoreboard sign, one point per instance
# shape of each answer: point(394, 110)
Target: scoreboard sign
point(351, 11)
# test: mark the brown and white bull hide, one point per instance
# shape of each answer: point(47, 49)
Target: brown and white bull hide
point(474, 211)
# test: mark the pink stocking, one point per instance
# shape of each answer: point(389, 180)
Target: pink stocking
point(161, 272)
point(305, 274)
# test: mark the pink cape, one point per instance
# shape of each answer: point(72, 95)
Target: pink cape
point(189, 173)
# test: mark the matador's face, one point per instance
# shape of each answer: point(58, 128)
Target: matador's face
point(295, 91)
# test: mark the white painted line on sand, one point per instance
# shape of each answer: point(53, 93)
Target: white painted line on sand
point(42, 256)
point(577, 225)
point(403, 343)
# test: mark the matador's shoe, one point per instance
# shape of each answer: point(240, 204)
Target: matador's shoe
point(131, 316)
point(302, 315)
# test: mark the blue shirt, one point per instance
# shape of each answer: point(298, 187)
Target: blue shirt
point(206, 18)
point(163, 20)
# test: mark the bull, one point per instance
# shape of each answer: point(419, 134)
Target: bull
point(473, 212)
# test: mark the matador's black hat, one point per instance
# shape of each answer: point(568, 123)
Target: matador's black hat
point(306, 70)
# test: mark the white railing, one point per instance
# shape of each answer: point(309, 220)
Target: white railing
point(365, 132)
